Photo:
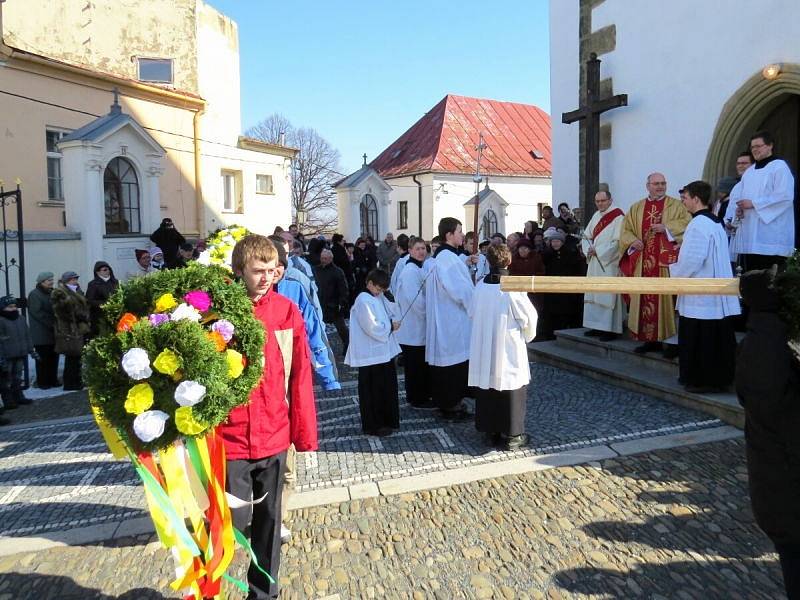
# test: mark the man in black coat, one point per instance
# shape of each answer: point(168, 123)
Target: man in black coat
point(333, 295)
point(768, 386)
point(560, 311)
point(169, 240)
point(340, 258)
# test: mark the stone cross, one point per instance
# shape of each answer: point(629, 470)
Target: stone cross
point(590, 113)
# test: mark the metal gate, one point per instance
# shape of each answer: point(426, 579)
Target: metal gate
point(10, 206)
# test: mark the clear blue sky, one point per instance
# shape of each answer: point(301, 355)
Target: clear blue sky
point(361, 73)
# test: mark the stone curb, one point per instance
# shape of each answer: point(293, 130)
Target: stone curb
point(415, 483)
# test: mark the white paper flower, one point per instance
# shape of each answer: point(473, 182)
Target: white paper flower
point(185, 312)
point(204, 258)
point(189, 393)
point(229, 239)
point(136, 364)
point(149, 425)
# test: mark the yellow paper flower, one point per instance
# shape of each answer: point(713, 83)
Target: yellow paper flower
point(167, 362)
point(140, 398)
point(186, 423)
point(235, 363)
point(165, 302)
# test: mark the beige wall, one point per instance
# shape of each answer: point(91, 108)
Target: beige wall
point(22, 139)
point(107, 36)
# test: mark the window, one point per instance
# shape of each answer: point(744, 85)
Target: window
point(264, 184)
point(157, 70)
point(55, 189)
point(121, 194)
point(402, 215)
point(231, 192)
point(369, 216)
point(489, 225)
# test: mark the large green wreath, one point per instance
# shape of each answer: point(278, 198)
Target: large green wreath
point(184, 355)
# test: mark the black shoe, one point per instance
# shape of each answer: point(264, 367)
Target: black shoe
point(456, 415)
point(648, 347)
point(515, 442)
point(699, 389)
point(493, 439)
point(10, 405)
point(592, 333)
point(380, 432)
point(23, 401)
point(429, 405)
point(670, 351)
point(4, 421)
point(607, 336)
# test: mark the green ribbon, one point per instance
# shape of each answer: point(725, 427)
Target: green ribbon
point(242, 541)
point(194, 455)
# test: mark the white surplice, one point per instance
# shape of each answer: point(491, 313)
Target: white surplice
point(372, 340)
point(448, 290)
point(603, 312)
point(768, 227)
point(409, 293)
point(483, 266)
point(502, 324)
point(704, 253)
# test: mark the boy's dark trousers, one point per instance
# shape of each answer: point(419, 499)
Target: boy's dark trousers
point(250, 480)
point(11, 373)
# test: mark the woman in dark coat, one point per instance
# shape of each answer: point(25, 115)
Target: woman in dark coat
point(526, 261)
point(72, 324)
point(42, 322)
point(560, 311)
point(362, 264)
point(98, 292)
point(768, 386)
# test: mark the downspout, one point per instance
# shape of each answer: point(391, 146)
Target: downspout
point(419, 202)
point(198, 181)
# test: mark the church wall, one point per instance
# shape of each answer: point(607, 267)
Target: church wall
point(564, 83)
point(405, 190)
point(679, 63)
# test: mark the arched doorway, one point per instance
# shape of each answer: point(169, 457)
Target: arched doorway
point(121, 198)
point(488, 224)
point(369, 216)
point(773, 105)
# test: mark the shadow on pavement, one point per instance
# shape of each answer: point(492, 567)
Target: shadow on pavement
point(705, 512)
point(28, 585)
point(51, 520)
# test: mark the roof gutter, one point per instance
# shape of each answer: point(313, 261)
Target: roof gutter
point(419, 202)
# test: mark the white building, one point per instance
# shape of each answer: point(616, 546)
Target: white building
point(428, 172)
point(698, 85)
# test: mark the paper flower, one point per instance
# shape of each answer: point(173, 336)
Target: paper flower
point(235, 363)
point(204, 258)
point(157, 319)
point(199, 299)
point(139, 399)
point(225, 328)
point(217, 340)
point(189, 393)
point(165, 302)
point(167, 362)
point(149, 425)
point(186, 423)
point(136, 364)
point(126, 322)
point(185, 312)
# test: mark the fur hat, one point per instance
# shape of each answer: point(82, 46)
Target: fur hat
point(7, 301)
point(554, 234)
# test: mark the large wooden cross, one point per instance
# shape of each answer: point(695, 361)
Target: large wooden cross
point(590, 113)
point(666, 286)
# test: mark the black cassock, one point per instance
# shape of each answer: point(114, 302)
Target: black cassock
point(377, 396)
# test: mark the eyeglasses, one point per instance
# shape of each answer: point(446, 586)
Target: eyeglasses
point(757, 146)
point(658, 183)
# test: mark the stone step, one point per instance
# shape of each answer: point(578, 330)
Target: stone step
point(619, 349)
point(641, 378)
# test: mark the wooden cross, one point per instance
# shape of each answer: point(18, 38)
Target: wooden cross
point(665, 286)
point(590, 113)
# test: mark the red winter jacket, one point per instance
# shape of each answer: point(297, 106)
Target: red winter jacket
point(281, 410)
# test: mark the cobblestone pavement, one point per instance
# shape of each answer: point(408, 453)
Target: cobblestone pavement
point(663, 525)
point(58, 476)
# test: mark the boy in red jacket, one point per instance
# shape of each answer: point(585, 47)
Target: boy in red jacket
point(281, 412)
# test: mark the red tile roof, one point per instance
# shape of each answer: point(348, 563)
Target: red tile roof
point(444, 140)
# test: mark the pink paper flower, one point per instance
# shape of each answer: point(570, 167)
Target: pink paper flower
point(157, 319)
point(199, 299)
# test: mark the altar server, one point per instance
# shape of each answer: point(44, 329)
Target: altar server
point(449, 291)
point(409, 292)
point(706, 339)
point(503, 322)
point(372, 349)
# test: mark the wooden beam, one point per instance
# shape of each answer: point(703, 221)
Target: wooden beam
point(668, 286)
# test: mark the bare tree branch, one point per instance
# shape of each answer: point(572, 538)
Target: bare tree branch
point(314, 171)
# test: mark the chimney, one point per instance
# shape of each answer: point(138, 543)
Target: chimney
point(282, 138)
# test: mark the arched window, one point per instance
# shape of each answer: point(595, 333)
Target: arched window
point(489, 224)
point(369, 216)
point(121, 193)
